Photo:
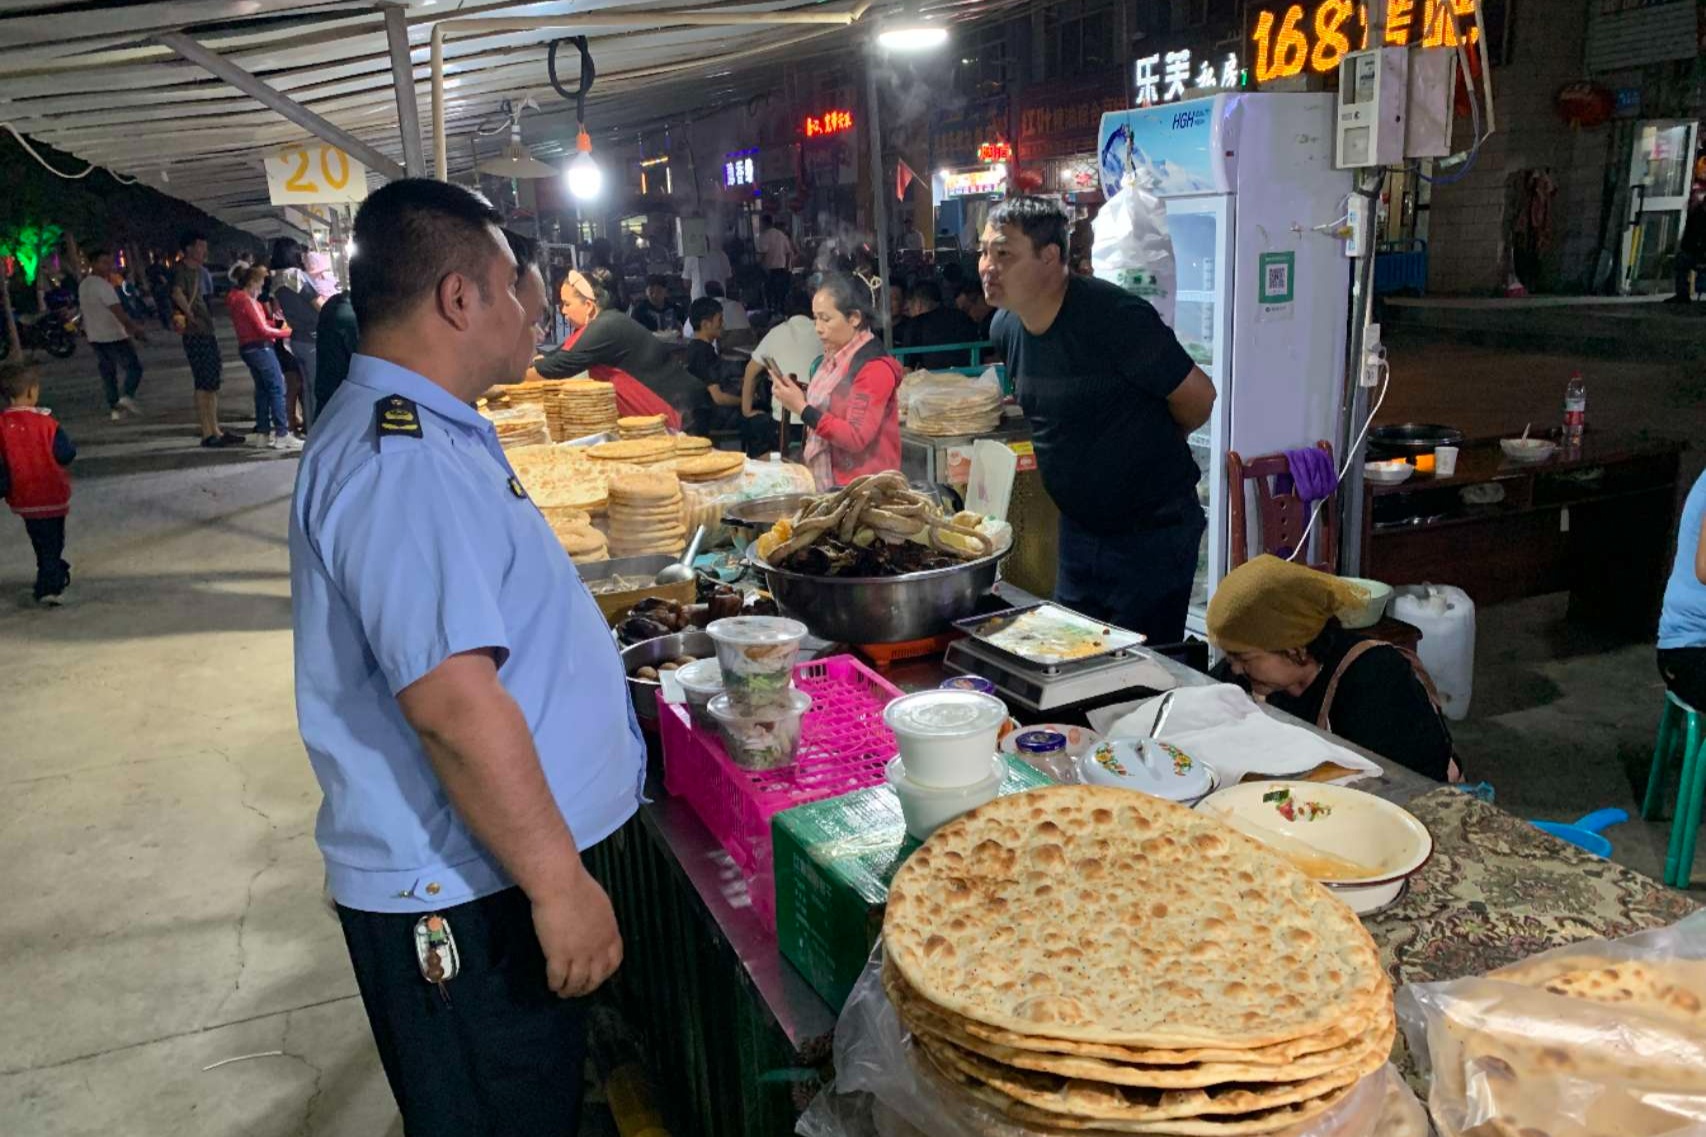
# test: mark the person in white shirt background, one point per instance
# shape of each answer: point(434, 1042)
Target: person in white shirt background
point(792, 345)
point(110, 328)
point(776, 255)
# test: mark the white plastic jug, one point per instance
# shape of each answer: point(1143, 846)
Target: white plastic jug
point(1446, 616)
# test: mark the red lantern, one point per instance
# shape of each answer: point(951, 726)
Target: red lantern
point(1028, 181)
point(1585, 105)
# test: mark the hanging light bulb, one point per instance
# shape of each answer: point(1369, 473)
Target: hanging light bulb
point(584, 177)
point(349, 247)
point(908, 31)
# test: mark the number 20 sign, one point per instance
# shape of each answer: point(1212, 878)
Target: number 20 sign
point(309, 172)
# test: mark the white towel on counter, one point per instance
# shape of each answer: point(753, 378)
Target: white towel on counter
point(1221, 725)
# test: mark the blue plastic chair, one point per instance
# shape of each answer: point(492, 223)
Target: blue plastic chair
point(1685, 824)
point(1584, 832)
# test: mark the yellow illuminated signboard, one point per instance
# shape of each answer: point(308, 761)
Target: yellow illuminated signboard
point(1315, 35)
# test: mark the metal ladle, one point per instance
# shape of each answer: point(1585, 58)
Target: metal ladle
point(681, 570)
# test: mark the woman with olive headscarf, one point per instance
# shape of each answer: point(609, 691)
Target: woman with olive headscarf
point(850, 405)
point(1277, 624)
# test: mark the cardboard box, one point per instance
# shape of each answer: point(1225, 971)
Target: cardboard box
point(833, 861)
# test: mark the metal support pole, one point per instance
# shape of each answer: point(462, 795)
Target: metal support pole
point(879, 199)
point(273, 100)
point(403, 79)
point(1356, 398)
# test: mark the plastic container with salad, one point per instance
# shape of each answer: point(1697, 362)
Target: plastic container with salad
point(765, 740)
point(756, 655)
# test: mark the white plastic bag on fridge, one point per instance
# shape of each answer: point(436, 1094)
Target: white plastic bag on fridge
point(1133, 247)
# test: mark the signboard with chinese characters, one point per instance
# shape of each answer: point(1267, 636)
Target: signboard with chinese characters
point(1062, 117)
point(1168, 76)
point(975, 183)
point(829, 122)
point(998, 151)
point(955, 137)
point(740, 169)
point(1313, 36)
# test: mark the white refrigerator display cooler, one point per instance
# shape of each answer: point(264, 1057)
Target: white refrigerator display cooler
point(1262, 293)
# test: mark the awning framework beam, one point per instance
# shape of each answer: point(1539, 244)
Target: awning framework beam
point(289, 108)
point(403, 80)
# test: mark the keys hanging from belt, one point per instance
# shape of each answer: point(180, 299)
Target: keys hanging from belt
point(435, 952)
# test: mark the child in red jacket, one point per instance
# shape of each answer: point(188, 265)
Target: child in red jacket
point(34, 451)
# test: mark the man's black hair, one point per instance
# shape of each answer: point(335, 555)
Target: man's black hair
point(96, 252)
point(925, 291)
point(525, 250)
point(702, 310)
point(714, 288)
point(409, 235)
point(189, 237)
point(972, 287)
point(766, 221)
point(798, 302)
point(657, 280)
point(1040, 218)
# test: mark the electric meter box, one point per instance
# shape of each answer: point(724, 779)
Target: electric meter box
point(1373, 88)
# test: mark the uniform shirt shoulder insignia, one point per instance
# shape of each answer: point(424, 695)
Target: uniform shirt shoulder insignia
point(395, 415)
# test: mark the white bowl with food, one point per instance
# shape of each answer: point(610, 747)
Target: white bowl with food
point(928, 808)
point(1528, 449)
point(1343, 838)
point(1387, 473)
point(946, 737)
point(1369, 612)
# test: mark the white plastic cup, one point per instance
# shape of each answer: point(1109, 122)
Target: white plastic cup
point(1445, 461)
point(946, 737)
point(926, 808)
point(701, 681)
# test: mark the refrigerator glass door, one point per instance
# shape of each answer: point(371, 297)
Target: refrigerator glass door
point(1201, 231)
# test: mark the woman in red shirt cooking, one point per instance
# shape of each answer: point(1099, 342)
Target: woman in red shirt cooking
point(256, 334)
point(850, 404)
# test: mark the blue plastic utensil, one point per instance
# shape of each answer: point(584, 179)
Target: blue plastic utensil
point(1584, 832)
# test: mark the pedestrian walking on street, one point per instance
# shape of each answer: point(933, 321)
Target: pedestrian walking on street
point(34, 451)
point(191, 285)
point(256, 335)
point(110, 328)
point(457, 689)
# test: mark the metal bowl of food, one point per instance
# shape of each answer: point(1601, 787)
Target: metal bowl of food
point(747, 519)
point(657, 654)
point(881, 609)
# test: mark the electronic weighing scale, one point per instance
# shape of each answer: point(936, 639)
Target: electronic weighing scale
point(1037, 686)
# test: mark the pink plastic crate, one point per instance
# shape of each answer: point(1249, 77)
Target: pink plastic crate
point(843, 747)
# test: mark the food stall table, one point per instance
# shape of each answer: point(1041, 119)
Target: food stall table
point(1596, 520)
point(739, 1041)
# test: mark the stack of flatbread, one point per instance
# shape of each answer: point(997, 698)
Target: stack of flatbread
point(519, 425)
point(658, 451)
point(1088, 959)
point(641, 426)
point(944, 410)
point(686, 444)
point(560, 478)
point(1571, 1044)
point(645, 514)
point(576, 408)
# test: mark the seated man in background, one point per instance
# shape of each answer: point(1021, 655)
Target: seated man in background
point(969, 300)
point(929, 324)
point(723, 380)
point(655, 311)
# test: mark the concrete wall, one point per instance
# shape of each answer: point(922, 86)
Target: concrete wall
point(1466, 226)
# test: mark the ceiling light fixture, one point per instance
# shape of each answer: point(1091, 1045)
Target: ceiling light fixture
point(908, 31)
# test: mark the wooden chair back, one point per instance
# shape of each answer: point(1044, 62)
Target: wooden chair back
point(1281, 518)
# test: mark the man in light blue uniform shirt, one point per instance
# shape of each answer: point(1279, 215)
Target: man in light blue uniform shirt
point(458, 691)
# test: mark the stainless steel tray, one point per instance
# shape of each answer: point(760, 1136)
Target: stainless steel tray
point(1097, 639)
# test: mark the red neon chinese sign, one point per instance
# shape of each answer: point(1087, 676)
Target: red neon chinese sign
point(829, 122)
point(991, 152)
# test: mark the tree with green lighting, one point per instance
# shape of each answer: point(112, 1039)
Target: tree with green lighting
point(30, 242)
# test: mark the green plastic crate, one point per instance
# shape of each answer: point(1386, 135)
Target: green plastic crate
point(834, 860)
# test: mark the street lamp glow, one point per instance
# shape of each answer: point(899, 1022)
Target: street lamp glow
point(583, 176)
point(913, 37)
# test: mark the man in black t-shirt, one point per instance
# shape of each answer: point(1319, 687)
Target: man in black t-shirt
point(654, 311)
point(1110, 396)
point(929, 324)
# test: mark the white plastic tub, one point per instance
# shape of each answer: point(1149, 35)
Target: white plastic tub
point(927, 808)
point(946, 738)
point(701, 681)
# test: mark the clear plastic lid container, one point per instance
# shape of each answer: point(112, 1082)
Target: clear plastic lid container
point(701, 676)
point(756, 631)
point(945, 714)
